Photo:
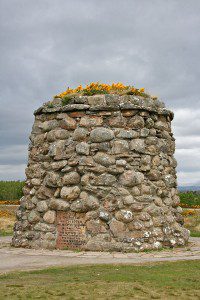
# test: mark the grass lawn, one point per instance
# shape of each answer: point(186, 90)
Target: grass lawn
point(176, 280)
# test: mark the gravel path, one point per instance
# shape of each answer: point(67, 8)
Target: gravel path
point(15, 259)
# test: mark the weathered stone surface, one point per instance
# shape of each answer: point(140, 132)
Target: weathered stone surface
point(33, 217)
point(120, 146)
point(52, 180)
point(67, 122)
point(137, 145)
point(102, 134)
point(117, 228)
point(70, 193)
point(105, 179)
point(80, 134)
point(125, 216)
point(91, 121)
point(136, 122)
point(127, 134)
point(42, 206)
point(49, 216)
point(58, 204)
point(131, 178)
point(118, 121)
point(104, 159)
point(83, 148)
point(71, 178)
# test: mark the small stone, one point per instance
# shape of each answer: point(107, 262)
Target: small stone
point(36, 181)
point(52, 180)
point(124, 215)
point(154, 175)
point(136, 122)
point(42, 206)
point(137, 145)
point(80, 134)
point(105, 179)
point(131, 178)
point(91, 121)
point(83, 148)
point(67, 122)
point(97, 100)
point(33, 217)
point(59, 204)
point(170, 180)
point(101, 134)
point(128, 200)
point(118, 121)
point(135, 191)
point(104, 216)
point(144, 132)
point(104, 159)
point(59, 134)
point(49, 125)
point(117, 228)
point(71, 178)
point(95, 227)
point(121, 162)
point(120, 146)
point(127, 134)
point(49, 216)
point(70, 193)
point(44, 227)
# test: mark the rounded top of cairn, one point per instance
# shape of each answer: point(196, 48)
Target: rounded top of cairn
point(119, 98)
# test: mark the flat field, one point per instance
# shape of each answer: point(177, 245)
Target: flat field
point(176, 280)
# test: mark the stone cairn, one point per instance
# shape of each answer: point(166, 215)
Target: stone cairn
point(101, 176)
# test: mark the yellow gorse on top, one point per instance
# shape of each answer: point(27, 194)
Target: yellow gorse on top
point(103, 88)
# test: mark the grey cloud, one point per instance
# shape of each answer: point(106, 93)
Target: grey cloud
point(46, 45)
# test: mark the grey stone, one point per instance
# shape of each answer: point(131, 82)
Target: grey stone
point(91, 121)
point(80, 134)
point(137, 145)
point(101, 134)
point(71, 178)
point(83, 148)
point(33, 216)
point(52, 180)
point(70, 193)
point(125, 216)
point(49, 216)
point(59, 204)
point(120, 146)
point(42, 206)
point(104, 159)
point(127, 134)
point(136, 122)
point(105, 179)
point(131, 178)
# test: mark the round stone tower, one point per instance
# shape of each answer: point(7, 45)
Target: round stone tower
point(101, 176)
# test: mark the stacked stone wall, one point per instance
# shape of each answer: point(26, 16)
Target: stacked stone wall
point(101, 176)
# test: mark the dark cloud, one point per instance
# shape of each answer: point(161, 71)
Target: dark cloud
point(46, 45)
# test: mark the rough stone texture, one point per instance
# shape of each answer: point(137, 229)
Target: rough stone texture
point(101, 176)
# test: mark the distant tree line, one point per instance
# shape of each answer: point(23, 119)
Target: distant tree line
point(11, 190)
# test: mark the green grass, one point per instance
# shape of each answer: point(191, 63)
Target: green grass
point(190, 198)
point(174, 280)
point(194, 233)
point(11, 190)
point(6, 232)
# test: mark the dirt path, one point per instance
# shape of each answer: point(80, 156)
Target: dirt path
point(13, 259)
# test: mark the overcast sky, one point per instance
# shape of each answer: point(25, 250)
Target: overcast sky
point(47, 45)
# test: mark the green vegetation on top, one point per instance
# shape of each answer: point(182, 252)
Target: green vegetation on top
point(11, 190)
